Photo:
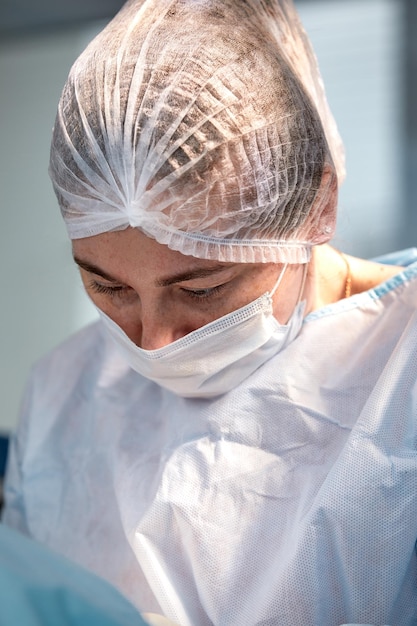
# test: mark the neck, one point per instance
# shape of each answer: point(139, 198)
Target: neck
point(329, 277)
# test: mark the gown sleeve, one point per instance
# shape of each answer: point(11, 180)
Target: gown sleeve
point(14, 514)
point(38, 586)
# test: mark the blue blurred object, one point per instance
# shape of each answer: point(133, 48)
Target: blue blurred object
point(41, 588)
point(4, 446)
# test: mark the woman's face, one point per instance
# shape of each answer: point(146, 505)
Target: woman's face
point(157, 295)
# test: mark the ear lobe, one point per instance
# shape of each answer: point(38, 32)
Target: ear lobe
point(325, 207)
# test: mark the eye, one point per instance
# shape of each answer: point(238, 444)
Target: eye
point(108, 290)
point(201, 294)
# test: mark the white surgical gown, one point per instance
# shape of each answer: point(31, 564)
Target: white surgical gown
point(289, 501)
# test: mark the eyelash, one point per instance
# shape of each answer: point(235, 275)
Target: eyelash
point(105, 289)
point(202, 294)
point(197, 294)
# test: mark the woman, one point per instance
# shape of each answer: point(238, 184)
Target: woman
point(234, 441)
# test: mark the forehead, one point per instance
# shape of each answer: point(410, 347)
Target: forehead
point(122, 252)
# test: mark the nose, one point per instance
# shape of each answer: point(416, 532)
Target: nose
point(158, 331)
point(158, 338)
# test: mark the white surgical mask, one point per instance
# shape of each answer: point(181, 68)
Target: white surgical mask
point(218, 356)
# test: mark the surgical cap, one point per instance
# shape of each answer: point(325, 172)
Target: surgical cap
point(204, 123)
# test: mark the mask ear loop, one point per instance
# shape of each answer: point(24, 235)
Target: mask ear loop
point(303, 282)
point(281, 276)
point(277, 284)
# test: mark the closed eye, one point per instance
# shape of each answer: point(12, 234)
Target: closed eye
point(107, 289)
point(202, 294)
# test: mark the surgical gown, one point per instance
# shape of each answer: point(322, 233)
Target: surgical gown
point(289, 501)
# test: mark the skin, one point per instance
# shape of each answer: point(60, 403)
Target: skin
point(157, 295)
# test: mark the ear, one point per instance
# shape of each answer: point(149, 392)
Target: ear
point(324, 207)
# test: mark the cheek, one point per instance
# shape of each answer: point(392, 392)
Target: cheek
point(289, 293)
point(99, 300)
point(124, 316)
point(258, 281)
point(128, 318)
point(132, 327)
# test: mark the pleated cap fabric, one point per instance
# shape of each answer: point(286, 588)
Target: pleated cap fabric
point(205, 124)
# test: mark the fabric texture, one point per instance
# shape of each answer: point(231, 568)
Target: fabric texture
point(205, 124)
point(289, 500)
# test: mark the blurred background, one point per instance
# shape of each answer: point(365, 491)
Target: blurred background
point(367, 51)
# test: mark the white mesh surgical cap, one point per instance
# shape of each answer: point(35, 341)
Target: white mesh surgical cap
point(204, 123)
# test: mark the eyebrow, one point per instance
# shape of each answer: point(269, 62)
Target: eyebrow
point(201, 272)
point(93, 269)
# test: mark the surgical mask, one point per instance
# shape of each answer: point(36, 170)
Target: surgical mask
point(218, 356)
